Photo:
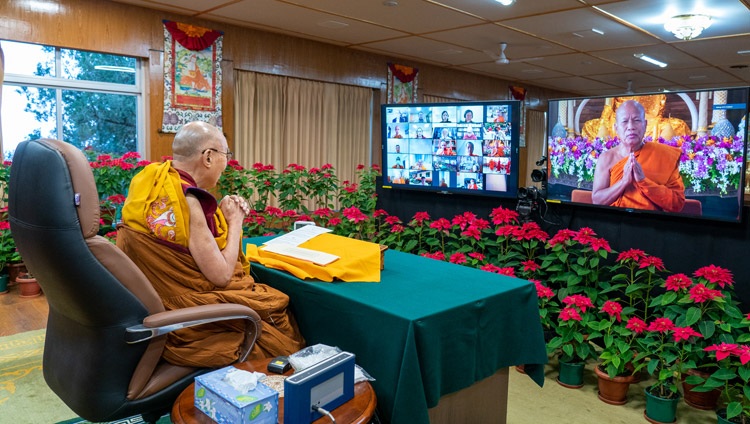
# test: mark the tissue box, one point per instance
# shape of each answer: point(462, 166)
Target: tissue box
point(224, 404)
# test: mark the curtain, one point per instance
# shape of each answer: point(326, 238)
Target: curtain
point(429, 98)
point(281, 120)
point(535, 140)
point(2, 79)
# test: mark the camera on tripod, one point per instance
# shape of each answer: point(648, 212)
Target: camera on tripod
point(529, 198)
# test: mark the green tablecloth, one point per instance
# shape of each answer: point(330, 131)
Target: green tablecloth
point(429, 328)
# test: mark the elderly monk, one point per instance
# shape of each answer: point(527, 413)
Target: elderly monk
point(635, 174)
point(190, 249)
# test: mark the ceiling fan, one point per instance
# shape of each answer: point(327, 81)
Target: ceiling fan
point(501, 59)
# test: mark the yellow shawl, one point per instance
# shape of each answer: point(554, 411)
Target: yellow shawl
point(156, 205)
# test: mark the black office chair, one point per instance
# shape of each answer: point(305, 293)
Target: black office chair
point(107, 326)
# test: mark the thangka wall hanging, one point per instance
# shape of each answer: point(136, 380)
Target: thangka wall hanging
point(402, 84)
point(519, 93)
point(192, 75)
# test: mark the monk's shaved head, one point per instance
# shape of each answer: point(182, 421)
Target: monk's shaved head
point(193, 137)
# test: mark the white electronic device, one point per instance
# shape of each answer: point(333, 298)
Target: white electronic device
point(327, 384)
point(300, 224)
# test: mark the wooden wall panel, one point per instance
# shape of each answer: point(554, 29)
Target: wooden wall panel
point(111, 27)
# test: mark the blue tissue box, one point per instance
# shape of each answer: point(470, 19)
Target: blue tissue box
point(224, 404)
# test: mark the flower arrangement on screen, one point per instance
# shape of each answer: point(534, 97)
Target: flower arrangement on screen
point(707, 164)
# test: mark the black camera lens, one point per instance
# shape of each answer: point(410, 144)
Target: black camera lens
point(538, 175)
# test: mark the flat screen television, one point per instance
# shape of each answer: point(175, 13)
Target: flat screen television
point(466, 147)
point(707, 128)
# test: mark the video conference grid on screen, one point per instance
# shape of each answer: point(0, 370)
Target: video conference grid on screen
point(466, 147)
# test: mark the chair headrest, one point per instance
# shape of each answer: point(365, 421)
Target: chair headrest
point(47, 167)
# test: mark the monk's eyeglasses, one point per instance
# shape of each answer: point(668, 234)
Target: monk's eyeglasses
point(228, 153)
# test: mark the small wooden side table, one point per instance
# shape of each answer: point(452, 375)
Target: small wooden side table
point(358, 410)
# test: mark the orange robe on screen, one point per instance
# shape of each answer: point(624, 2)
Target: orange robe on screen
point(662, 189)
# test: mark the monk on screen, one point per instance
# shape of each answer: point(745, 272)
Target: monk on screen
point(636, 174)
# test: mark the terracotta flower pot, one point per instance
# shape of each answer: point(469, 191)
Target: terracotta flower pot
point(28, 286)
point(613, 390)
point(700, 400)
point(14, 269)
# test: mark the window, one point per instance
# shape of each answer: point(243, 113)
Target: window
point(91, 100)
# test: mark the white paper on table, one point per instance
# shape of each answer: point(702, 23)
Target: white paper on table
point(299, 236)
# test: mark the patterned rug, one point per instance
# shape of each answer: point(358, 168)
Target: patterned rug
point(132, 420)
point(24, 396)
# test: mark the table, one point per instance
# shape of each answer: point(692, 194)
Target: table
point(358, 410)
point(428, 329)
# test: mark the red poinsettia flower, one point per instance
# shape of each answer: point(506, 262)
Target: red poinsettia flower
point(420, 217)
point(506, 230)
point(508, 270)
point(579, 300)
point(631, 254)
point(441, 224)
point(458, 258)
point(476, 255)
point(472, 232)
point(743, 352)
point(530, 265)
point(699, 293)
point(648, 261)
point(600, 243)
point(612, 309)
point(490, 268)
point(543, 291)
point(684, 333)
point(661, 325)
point(715, 274)
point(722, 350)
point(636, 325)
point(678, 282)
point(393, 219)
point(323, 212)
point(440, 256)
point(501, 216)
point(570, 314)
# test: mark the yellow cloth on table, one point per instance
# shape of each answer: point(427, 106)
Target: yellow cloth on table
point(359, 261)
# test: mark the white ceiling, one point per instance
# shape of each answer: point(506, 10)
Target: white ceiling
point(550, 42)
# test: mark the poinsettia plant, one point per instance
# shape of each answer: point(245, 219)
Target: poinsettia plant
point(576, 328)
point(618, 337)
point(662, 350)
point(732, 376)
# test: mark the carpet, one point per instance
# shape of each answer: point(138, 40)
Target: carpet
point(132, 420)
point(24, 396)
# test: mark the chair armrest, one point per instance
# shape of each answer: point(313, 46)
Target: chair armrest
point(165, 322)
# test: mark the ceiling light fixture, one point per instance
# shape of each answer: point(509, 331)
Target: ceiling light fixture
point(687, 27)
point(650, 60)
point(506, 2)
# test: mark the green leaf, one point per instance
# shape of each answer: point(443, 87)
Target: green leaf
point(694, 380)
point(410, 245)
point(733, 409)
point(692, 315)
point(723, 374)
point(744, 374)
